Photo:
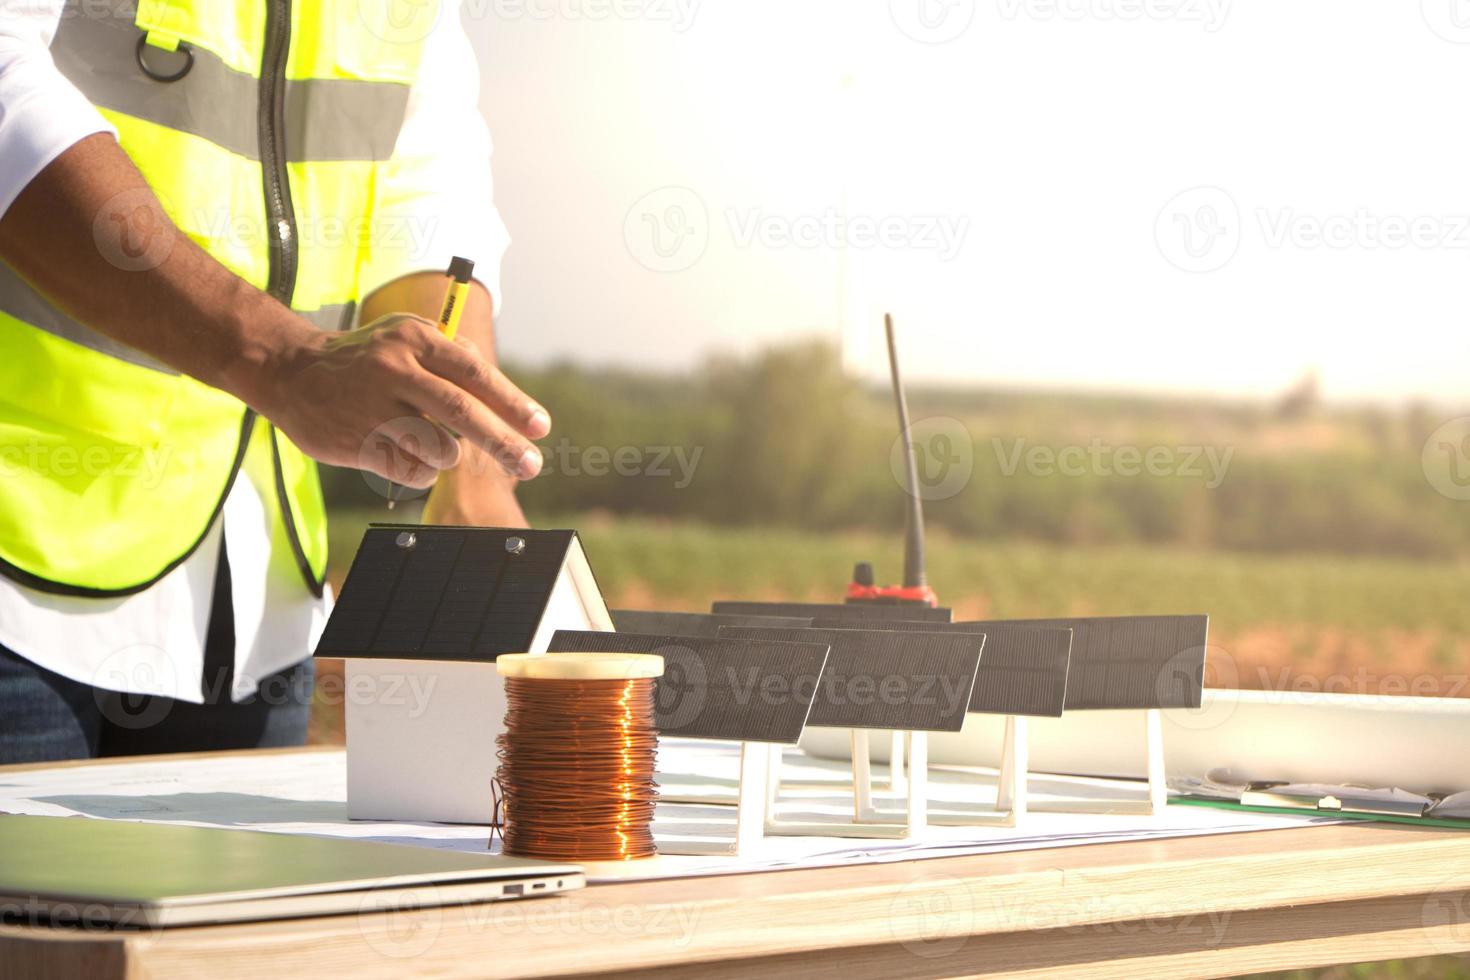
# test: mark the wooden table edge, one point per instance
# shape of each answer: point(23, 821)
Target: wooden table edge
point(1016, 900)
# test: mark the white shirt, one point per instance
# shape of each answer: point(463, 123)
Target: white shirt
point(153, 642)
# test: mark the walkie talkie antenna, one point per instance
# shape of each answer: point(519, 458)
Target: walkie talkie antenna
point(913, 531)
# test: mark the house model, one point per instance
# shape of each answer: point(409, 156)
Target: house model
point(422, 616)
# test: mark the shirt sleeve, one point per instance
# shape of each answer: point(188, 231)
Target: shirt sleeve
point(41, 113)
point(434, 198)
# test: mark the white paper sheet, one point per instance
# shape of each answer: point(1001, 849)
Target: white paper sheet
point(305, 793)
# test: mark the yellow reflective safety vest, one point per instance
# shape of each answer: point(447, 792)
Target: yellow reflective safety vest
point(264, 127)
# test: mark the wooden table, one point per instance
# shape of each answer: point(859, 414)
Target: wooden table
point(1197, 906)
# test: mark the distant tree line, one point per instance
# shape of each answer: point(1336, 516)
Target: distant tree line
point(787, 439)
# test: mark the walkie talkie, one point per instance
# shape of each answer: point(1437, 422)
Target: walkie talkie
point(915, 588)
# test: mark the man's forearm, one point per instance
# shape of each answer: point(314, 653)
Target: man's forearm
point(91, 236)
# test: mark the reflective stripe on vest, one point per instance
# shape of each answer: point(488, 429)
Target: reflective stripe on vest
point(268, 152)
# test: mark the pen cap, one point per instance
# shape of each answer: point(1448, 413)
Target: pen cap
point(460, 269)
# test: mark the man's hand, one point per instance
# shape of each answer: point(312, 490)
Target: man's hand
point(391, 396)
point(477, 491)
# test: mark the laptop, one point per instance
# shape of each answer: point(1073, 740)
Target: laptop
point(88, 872)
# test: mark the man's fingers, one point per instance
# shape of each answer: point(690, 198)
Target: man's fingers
point(409, 450)
point(462, 413)
point(467, 369)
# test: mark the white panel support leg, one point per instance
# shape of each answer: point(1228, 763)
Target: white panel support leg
point(897, 781)
point(773, 779)
point(753, 805)
point(917, 744)
point(862, 778)
point(1010, 790)
point(1158, 784)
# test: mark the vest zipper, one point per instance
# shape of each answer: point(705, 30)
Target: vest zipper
point(279, 214)
point(280, 218)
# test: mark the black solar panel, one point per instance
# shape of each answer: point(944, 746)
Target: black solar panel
point(1133, 661)
point(904, 681)
point(1023, 671)
point(444, 593)
point(740, 690)
point(693, 623)
point(837, 610)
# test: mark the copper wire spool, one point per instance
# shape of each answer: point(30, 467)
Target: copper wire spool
point(577, 756)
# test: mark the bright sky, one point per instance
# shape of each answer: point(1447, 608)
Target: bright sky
point(1162, 194)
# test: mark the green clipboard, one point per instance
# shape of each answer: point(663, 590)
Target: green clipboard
point(1450, 823)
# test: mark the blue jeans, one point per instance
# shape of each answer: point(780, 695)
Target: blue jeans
point(45, 717)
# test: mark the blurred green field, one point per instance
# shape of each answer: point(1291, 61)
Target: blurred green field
point(683, 565)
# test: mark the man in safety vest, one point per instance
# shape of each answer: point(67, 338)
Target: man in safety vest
point(199, 203)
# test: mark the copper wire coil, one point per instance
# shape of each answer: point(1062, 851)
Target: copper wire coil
point(576, 769)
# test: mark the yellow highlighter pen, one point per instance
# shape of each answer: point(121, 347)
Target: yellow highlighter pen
point(460, 270)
